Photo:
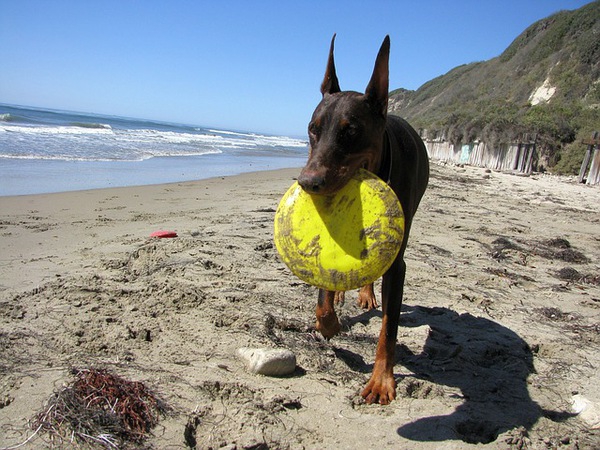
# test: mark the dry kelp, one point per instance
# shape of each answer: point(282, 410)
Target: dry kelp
point(99, 408)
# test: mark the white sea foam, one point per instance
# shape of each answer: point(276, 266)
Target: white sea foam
point(97, 158)
point(235, 133)
point(36, 130)
point(146, 135)
point(102, 144)
point(261, 139)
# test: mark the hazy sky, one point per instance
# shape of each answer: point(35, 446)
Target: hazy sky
point(243, 65)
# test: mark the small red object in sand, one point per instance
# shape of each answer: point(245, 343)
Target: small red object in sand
point(164, 234)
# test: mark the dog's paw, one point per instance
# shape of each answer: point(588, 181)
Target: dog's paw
point(340, 297)
point(328, 325)
point(366, 298)
point(380, 389)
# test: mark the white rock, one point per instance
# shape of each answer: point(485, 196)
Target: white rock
point(270, 362)
point(588, 411)
point(543, 93)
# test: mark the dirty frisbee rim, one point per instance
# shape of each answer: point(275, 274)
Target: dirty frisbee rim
point(342, 241)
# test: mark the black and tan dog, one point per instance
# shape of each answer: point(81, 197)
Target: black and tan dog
point(349, 131)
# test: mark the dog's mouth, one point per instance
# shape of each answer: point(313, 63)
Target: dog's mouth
point(330, 181)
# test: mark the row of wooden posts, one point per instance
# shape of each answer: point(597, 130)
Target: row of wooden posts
point(519, 156)
point(525, 153)
point(590, 167)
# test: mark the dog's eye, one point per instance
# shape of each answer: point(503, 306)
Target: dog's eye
point(350, 132)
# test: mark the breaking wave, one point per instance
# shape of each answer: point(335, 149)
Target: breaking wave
point(27, 133)
point(92, 125)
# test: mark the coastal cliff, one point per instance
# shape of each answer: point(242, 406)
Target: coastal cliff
point(545, 85)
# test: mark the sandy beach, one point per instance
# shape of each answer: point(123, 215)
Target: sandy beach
point(500, 330)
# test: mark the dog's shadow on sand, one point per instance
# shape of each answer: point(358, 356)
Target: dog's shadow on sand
point(486, 361)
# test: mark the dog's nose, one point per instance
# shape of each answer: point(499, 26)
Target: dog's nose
point(311, 183)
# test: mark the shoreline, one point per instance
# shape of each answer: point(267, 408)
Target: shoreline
point(250, 173)
point(30, 177)
point(498, 327)
point(264, 166)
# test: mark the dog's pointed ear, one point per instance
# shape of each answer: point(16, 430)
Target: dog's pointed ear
point(330, 83)
point(377, 90)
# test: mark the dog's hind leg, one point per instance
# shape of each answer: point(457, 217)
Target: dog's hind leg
point(327, 320)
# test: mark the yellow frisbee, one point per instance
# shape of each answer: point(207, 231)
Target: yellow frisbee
point(341, 241)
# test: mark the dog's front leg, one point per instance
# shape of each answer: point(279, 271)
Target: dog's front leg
point(382, 385)
point(327, 320)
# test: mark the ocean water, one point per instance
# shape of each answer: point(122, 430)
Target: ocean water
point(45, 151)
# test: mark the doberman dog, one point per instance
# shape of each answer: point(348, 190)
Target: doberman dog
point(348, 131)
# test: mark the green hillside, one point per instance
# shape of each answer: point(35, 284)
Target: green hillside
point(558, 58)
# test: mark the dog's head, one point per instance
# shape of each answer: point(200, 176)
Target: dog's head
point(346, 130)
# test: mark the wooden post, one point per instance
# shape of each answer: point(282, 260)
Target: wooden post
point(531, 151)
point(517, 162)
point(595, 140)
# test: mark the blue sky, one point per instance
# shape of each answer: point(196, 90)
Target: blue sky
point(243, 65)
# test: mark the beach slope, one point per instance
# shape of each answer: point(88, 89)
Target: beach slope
point(499, 331)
